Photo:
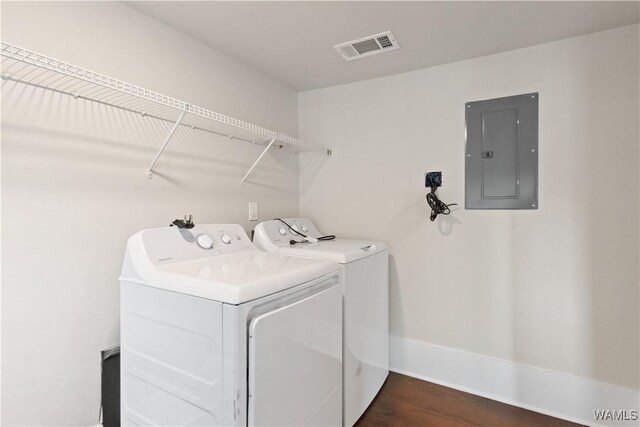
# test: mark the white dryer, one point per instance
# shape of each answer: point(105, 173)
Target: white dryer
point(215, 332)
point(366, 302)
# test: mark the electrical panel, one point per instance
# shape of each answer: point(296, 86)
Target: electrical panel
point(501, 156)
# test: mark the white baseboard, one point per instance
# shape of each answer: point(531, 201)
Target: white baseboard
point(553, 393)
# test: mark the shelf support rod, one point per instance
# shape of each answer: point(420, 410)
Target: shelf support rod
point(165, 143)
point(253, 166)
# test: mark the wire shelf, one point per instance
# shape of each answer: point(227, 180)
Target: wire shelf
point(27, 67)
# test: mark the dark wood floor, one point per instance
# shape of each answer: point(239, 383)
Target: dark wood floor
point(406, 401)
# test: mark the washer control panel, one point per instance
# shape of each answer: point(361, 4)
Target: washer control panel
point(279, 234)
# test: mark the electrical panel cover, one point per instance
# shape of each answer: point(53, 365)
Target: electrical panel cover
point(501, 156)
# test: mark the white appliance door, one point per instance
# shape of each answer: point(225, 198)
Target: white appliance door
point(295, 363)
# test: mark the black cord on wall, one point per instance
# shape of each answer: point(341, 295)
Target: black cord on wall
point(438, 207)
point(433, 180)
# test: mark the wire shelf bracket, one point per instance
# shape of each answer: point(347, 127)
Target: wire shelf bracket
point(253, 166)
point(165, 143)
point(24, 66)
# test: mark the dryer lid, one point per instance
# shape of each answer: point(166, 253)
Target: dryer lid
point(232, 273)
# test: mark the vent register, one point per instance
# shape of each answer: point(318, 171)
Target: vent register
point(367, 46)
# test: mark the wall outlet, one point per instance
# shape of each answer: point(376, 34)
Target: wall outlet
point(433, 179)
point(253, 211)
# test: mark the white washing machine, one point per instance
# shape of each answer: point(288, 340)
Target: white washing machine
point(215, 332)
point(366, 302)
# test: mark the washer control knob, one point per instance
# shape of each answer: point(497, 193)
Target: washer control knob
point(295, 227)
point(304, 229)
point(282, 231)
point(225, 239)
point(204, 241)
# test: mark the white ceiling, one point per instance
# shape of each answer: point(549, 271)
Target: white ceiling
point(293, 41)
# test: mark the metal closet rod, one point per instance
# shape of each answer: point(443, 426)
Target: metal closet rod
point(125, 96)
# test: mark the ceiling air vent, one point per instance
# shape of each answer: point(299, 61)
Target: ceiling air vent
point(367, 46)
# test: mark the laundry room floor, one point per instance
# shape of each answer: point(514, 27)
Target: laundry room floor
point(406, 401)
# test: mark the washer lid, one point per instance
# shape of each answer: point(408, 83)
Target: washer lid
point(339, 250)
point(225, 275)
point(274, 236)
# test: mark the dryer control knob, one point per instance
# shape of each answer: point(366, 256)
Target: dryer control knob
point(304, 229)
point(295, 227)
point(204, 241)
point(225, 239)
point(282, 231)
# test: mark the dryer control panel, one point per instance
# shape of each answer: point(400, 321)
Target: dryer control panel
point(173, 244)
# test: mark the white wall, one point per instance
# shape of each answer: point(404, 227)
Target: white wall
point(74, 189)
point(555, 288)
